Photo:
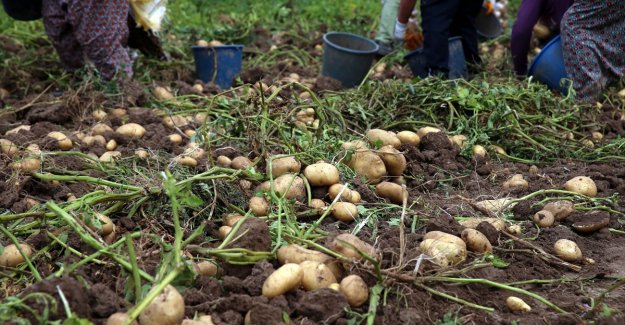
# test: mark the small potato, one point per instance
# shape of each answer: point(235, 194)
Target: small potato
point(348, 245)
point(111, 145)
point(287, 277)
point(119, 318)
point(321, 174)
point(293, 253)
point(100, 129)
point(391, 191)
point(345, 211)
point(200, 118)
point(284, 165)
point(214, 43)
point(515, 230)
point(88, 140)
point(241, 162)
point(479, 151)
point(316, 275)
point(560, 209)
point(99, 115)
point(175, 138)
point(131, 131)
point(516, 181)
point(205, 268)
point(186, 161)
point(291, 186)
point(597, 136)
point(368, 165)
point(355, 290)
point(223, 232)
point(27, 165)
point(459, 140)
point(356, 144)
point(11, 256)
point(476, 241)
point(355, 197)
point(335, 189)
point(517, 304)
point(317, 204)
point(206, 320)
point(567, 250)
point(583, 185)
point(394, 160)
point(197, 88)
point(245, 185)
point(544, 219)
point(194, 151)
point(142, 153)
point(202, 43)
point(118, 112)
point(99, 139)
point(231, 219)
point(409, 137)
point(103, 225)
point(497, 149)
point(383, 138)
point(427, 129)
point(533, 170)
point(166, 309)
point(223, 161)
point(8, 148)
point(175, 121)
point(63, 142)
point(259, 206)
point(496, 205)
point(162, 93)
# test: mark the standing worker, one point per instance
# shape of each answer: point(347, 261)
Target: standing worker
point(593, 42)
point(442, 19)
point(412, 38)
point(546, 12)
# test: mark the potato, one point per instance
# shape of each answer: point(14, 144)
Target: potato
point(285, 165)
point(476, 241)
point(34, 149)
point(99, 139)
point(560, 209)
point(316, 275)
point(11, 256)
point(583, 185)
point(356, 144)
point(335, 287)
point(409, 137)
point(516, 181)
point(214, 43)
point(119, 318)
point(382, 137)
point(142, 153)
point(293, 253)
point(100, 129)
point(231, 219)
point(533, 170)
point(567, 250)
point(175, 138)
point(427, 129)
point(517, 304)
point(118, 112)
point(369, 165)
point(394, 160)
point(186, 161)
point(223, 232)
point(245, 185)
point(202, 43)
point(317, 204)
point(321, 174)
point(259, 206)
point(162, 93)
point(355, 197)
point(175, 121)
point(194, 151)
point(446, 249)
point(479, 151)
point(111, 145)
point(4, 94)
point(205, 268)
point(17, 129)
point(63, 142)
point(206, 320)
point(287, 277)
point(241, 162)
point(345, 211)
point(597, 136)
point(99, 115)
point(459, 140)
point(131, 131)
point(391, 191)
point(27, 165)
point(104, 225)
point(166, 309)
point(544, 219)
point(335, 189)
point(496, 205)
point(348, 245)
point(497, 149)
point(223, 161)
point(8, 148)
point(355, 290)
point(289, 185)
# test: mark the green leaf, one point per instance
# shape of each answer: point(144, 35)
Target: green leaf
point(496, 261)
point(191, 201)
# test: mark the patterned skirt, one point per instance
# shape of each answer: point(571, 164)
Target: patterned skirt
point(593, 40)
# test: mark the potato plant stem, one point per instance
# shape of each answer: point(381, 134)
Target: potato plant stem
point(455, 299)
point(136, 278)
point(169, 278)
point(86, 179)
point(14, 240)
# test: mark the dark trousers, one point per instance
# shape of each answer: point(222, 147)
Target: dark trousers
point(442, 19)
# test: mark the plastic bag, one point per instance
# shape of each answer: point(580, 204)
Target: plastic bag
point(148, 13)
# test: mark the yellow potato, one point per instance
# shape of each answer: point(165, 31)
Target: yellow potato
point(293, 253)
point(472, 223)
point(583, 185)
point(205, 268)
point(27, 165)
point(285, 165)
point(560, 209)
point(166, 309)
point(289, 185)
point(383, 137)
point(142, 153)
point(8, 148)
point(335, 189)
point(316, 275)
point(544, 219)
point(223, 232)
point(517, 304)
point(241, 162)
point(202, 43)
point(100, 129)
point(321, 174)
point(99, 115)
point(369, 165)
point(345, 211)
point(427, 129)
point(223, 161)
point(186, 161)
point(162, 93)
point(119, 318)
point(476, 241)
point(355, 290)
point(409, 137)
point(479, 151)
point(175, 138)
point(259, 206)
point(131, 130)
point(231, 219)
point(317, 204)
point(459, 140)
point(355, 197)
point(175, 121)
point(356, 144)
point(567, 250)
point(118, 112)
point(394, 160)
point(287, 277)
point(17, 129)
point(103, 225)
point(111, 145)
point(194, 151)
point(11, 256)
point(391, 191)
point(497, 149)
point(446, 249)
point(63, 142)
point(348, 245)
point(516, 181)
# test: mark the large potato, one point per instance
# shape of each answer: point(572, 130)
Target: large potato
point(383, 138)
point(335, 189)
point(368, 165)
point(391, 191)
point(316, 275)
point(166, 309)
point(131, 131)
point(476, 241)
point(293, 253)
point(394, 160)
point(285, 165)
point(544, 219)
point(241, 162)
point(321, 174)
point(259, 206)
point(100, 129)
point(348, 245)
point(345, 211)
point(27, 165)
point(583, 185)
point(355, 290)
point(11, 256)
point(446, 249)
point(427, 129)
point(560, 209)
point(409, 137)
point(8, 148)
point(287, 277)
point(289, 185)
point(567, 250)
point(63, 142)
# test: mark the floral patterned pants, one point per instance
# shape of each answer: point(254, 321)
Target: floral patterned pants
point(593, 41)
point(93, 29)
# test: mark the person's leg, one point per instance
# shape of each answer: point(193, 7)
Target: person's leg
point(384, 36)
point(102, 30)
point(61, 35)
point(437, 18)
point(464, 26)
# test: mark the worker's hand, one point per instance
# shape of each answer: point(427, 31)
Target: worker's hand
point(489, 6)
point(400, 30)
point(413, 38)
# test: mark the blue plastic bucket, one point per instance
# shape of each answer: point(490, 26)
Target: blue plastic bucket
point(548, 67)
point(218, 64)
point(347, 57)
point(488, 26)
point(457, 64)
